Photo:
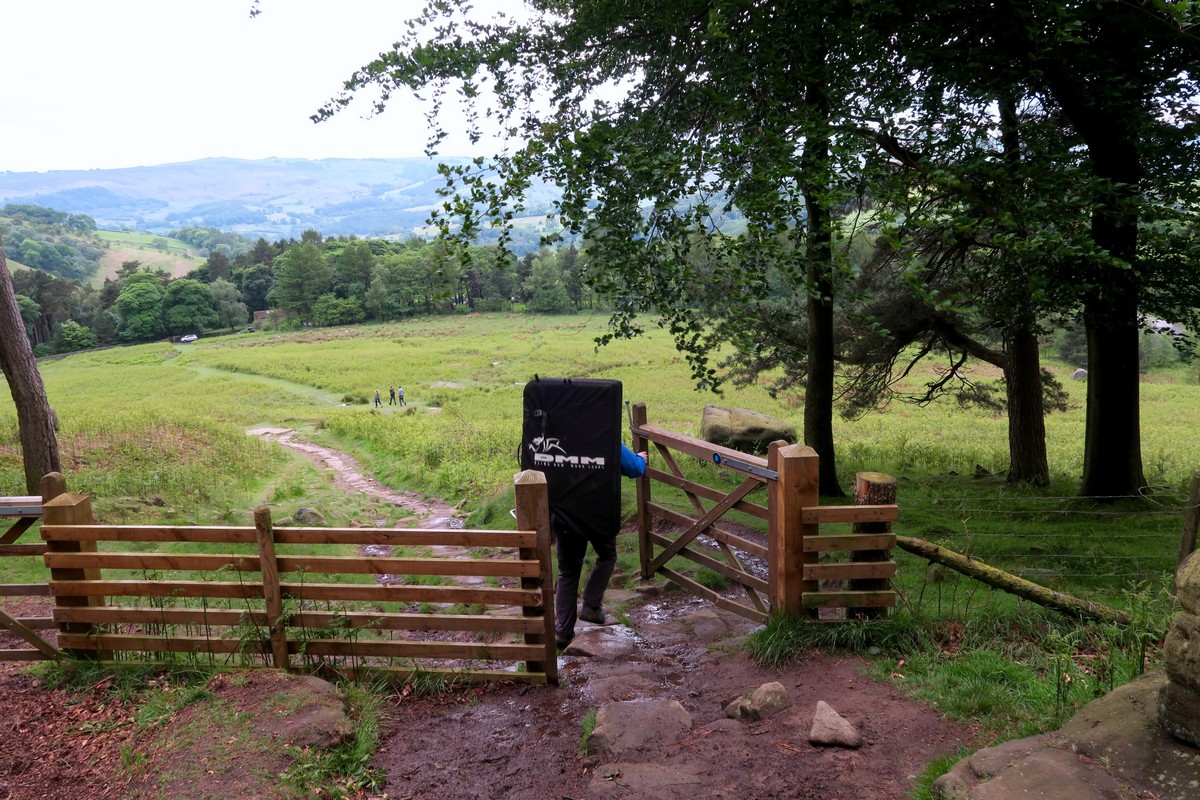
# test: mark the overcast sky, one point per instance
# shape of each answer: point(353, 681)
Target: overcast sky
point(98, 85)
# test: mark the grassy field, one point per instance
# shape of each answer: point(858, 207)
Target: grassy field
point(157, 433)
point(176, 258)
point(124, 409)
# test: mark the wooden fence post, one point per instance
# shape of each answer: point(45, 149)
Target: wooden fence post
point(533, 514)
point(1191, 521)
point(53, 484)
point(643, 494)
point(264, 533)
point(63, 508)
point(797, 485)
point(871, 489)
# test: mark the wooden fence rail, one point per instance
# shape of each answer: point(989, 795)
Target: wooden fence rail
point(278, 596)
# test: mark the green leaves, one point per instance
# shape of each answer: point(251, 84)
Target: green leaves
point(730, 166)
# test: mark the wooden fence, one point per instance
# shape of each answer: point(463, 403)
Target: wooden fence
point(804, 566)
point(272, 597)
point(24, 511)
point(269, 597)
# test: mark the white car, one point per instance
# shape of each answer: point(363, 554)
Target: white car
point(191, 337)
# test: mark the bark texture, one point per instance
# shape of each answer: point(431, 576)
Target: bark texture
point(1027, 462)
point(819, 394)
point(35, 421)
point(1108, 122)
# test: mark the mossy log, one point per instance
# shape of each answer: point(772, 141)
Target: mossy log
point(1005, 581)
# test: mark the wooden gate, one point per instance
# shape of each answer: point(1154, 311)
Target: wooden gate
point(793, 568)
point(24, 511)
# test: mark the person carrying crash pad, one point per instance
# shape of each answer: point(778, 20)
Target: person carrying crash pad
point(572, 434)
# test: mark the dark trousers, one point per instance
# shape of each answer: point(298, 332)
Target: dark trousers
point(571, 550)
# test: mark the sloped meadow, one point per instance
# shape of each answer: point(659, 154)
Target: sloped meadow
point(167, 422)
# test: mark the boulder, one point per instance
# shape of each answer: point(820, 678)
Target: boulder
point(1049, 775)
point(1116, 746)
point(707, 626)
point(766, 700)
point(743, 429)
point(602, 642)
point(1119, 730)
point(631, 725)
point(1079, 374)
point(1187, 584)
point(830, 729)
point(1179, 713)
point(309, 518)
point(1181, 652)
point(1179, 700)
point(657, 779)
point(629, 680)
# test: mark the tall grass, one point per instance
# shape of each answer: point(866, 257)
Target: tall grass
point(135, 423)
point(152, 421)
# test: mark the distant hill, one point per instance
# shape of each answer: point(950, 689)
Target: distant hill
point(276, 198)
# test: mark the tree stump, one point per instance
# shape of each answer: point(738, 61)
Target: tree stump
point(871, 489)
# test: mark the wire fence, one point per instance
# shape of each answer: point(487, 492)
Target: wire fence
point(1089, 547)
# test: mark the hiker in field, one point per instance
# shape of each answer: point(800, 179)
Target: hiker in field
point(378, 402)
point(571, 551)
point(400, 396)
point(391, 395)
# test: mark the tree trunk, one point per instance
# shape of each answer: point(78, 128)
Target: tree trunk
point(818, 396)
point(1027, 462)
point(1112, 453)
point(35, 421)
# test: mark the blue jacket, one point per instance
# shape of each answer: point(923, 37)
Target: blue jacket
point(632, 465)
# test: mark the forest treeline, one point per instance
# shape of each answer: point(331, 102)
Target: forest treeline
point(324, 281)
point(314, 280)
point(57, 242)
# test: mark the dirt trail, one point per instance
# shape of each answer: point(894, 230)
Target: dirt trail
point(349, 475)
